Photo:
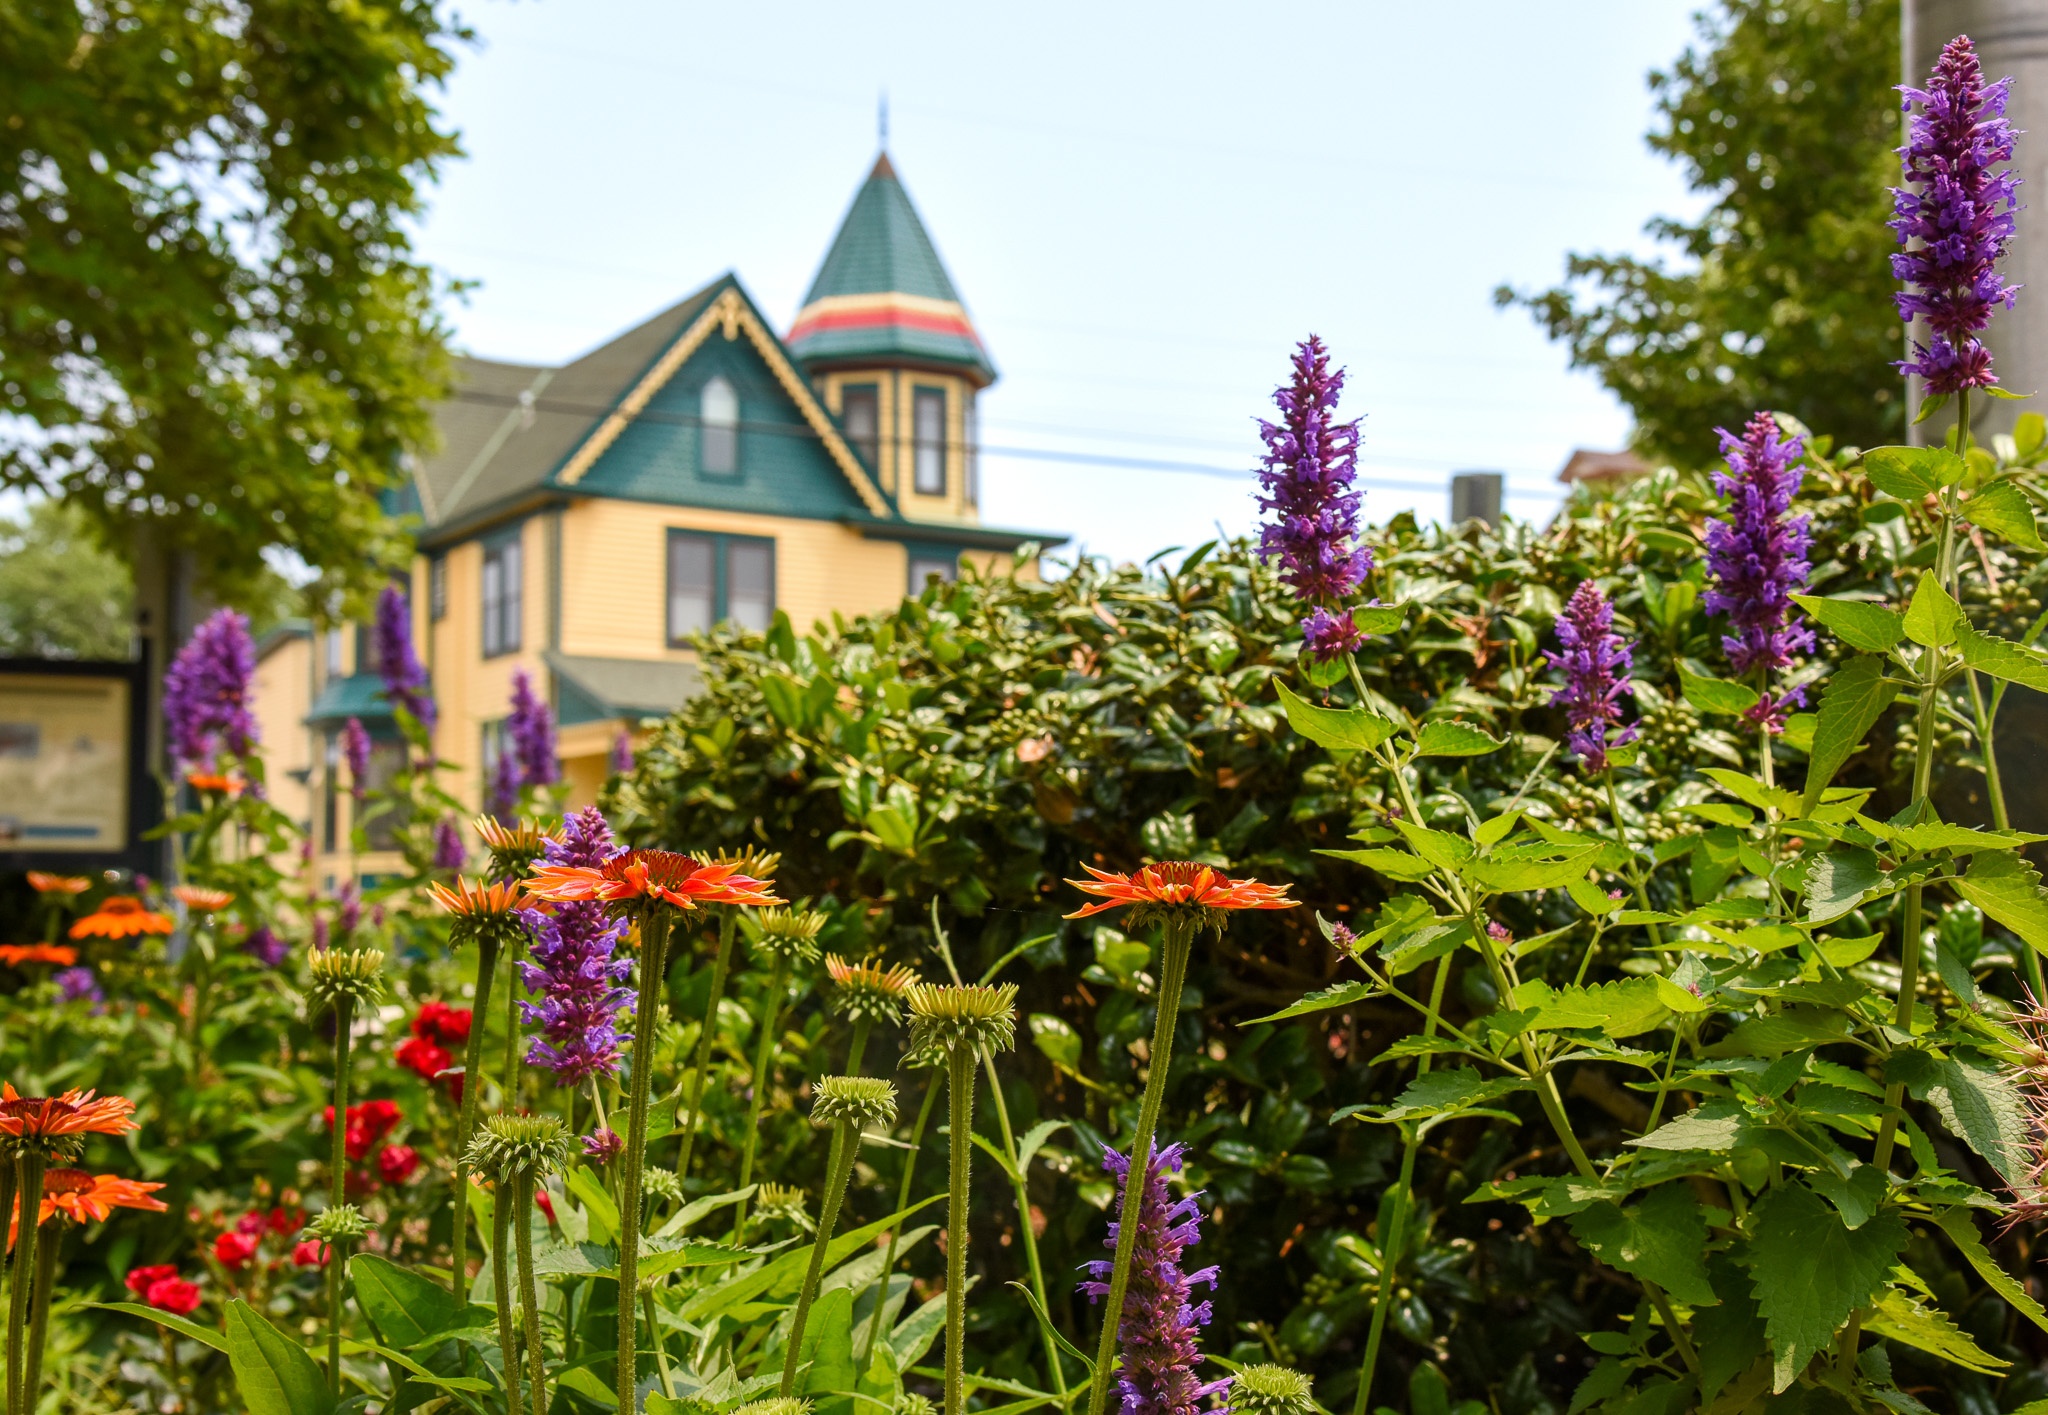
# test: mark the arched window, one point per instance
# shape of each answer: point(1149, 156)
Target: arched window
point(719, 445)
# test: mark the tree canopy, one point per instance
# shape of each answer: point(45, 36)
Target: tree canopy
point(211, 324)
point(1783, 110)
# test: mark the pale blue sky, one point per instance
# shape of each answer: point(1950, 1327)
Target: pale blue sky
point(1144, 206)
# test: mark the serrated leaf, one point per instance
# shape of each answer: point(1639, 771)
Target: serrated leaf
point(1508, 876)
point(1930, 836)
point(2008, 889)
point(1810, 1272)
point(1394, 864)
point(1748, 789)
point(1714, 1128)
point(1856, 622)
point(1441, 848)
point(1379, 618)
point(1446, 1092)
point(1856, 1198)
point(1933, 617)
point(1343, 995)
point(1620, 1009)
point(1905, 1318)
point(1716, 695)
point(1730, 1336)
point(1780, 1032)
point(1659, 1240)
point(1987, 653)
point(1981, 1106)
point(1961, 1229)
point(1443, 738)
point(1679, 999)
point(273, 1373)
point(1910, 473)
point(1856, 695)
point(2004, 510)
point(1353, 729)
point(1837, 881)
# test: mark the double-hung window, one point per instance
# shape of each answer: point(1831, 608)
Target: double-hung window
point(860, 413)
point(718, 446)
point(713, 578)
point(928, 412)
point(501, 595)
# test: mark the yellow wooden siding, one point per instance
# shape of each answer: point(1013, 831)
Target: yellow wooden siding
point(470, 690)
point(284, 695)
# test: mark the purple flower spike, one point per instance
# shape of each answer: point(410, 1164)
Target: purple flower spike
point(622, 753)
point(1160, 1321)
point(573, 972)
point(603, 1146)
point(1756, 561)
point(348, 910)
point(1955, 216)
point(1325, 635)
point(355, 750)
point(266, 947)
point(1306, 480)
point(206, 692)
point(1596, 663)
point(449, 853)
point(405, 680)
point(531, 731)
point(78, 985)
point(501, 792)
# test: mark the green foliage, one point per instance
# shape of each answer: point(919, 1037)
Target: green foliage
point(1783, 113)
point(211, 324)
point(61, 594)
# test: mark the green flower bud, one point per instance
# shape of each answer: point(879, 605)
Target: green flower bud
point(864, 1102)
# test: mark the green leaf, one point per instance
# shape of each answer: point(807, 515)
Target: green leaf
point(1856, 622)
point(1810, 1272)
point(1780, 1032)
point(782, 1274)
point(1352, 729)
point(598, 1206)
point(1929, 836)
point(913, 1336)
point(1837, 881)
point(1056, 1040)
point(1342, 995)
point(1444, 738)
point(1660, 1240)
point(1379, 618)
point(1904, 1318)
point(2003, 509)
point(1731, 1336)
point(1933, 617)
point(1856, 1198)
point(1962, 1231)
point(828, 1351)
point(1394, 864)
point(1855, 697)
point(784, 698)
point(2008, 889)
point(206, 1336)
point(1506, 876)
point(403, 1306)
point(1715, 695)
point(273, 1373)
point(1448, 1092)
point(2001, 658)
point(1910, 473)
point(1746, 788)
point(1441, 848)
point(1620, 1009)
point(1714, 1128)
point(1980, 1104)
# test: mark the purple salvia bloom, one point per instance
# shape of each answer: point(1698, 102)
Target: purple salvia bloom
point(78, 985)
point(573, 972)
point(622, 753)
point(1756, 561)
point(1325, 635)
point(449, 853)
point(266, 947)
point(1306, 480)
point(348, 914)
point(501, 792)
point(355, 750)
point(603, 1145)
point(206, 692)
point(530, 731)
point(320, 938)
point(1596, 663)
point(1955, 216)
point(405, 679)
point(1160, 1321)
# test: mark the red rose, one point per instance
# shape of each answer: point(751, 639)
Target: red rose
point(441, 1023)
point(398, 1163)
point(140, 1279)
point(234, 1250)
point(312, 1253)
point(284, 1220)
point(428, 1058)
point(252, 1223)
point(367, 1126)
point(174, 1295)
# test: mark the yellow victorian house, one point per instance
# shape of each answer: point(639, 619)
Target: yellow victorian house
point(582, 522)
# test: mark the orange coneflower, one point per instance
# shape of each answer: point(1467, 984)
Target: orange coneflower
point(643, 876)
point(16, 954)
point(1179, 887)
point(470, 898)
point(43, 882)
point(120, 916)
point(55, 1117)
point(201, 899)
point(83, 1197)
point(215, 781)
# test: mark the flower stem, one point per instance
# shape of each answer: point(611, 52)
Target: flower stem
point(728, 921)
point(39, 1322)
point(30, 1188)
point(529, 1293)
point(1173, 972)
point(764, 1051)
point(472, 1085)
point(337, 1184)
point(508, 1087)
point(960, 1099)
point(1021, 1185)
point(501, 1284)
point(881, 1284)
point(844, 1154)
point(654, 929)
point(857, 1045)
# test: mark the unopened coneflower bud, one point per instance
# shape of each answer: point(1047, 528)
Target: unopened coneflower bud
point(353, 974)
point(952, 1016)
point(864, 1102)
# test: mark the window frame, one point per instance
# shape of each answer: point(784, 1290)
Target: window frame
point(512, 591)
point(921, 394)
point(971, 446)
point(869, 447)
point(928, 560)
point(437, 588)
point(706, 427)
point(721, 543)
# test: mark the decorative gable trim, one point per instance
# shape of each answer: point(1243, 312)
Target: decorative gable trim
point(731, 315)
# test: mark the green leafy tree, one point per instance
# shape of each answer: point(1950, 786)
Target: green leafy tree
point(1783, 111)
point(62, 595)
point(210, 320)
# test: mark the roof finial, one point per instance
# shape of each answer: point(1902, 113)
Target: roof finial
point(882, 121)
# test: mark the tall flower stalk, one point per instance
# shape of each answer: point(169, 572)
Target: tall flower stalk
point(1183, 899)
point(343, 980)
point(1306, 480)
point(396, 662)
point(786, 937)
point(756, 864)
point(962, 1022)
point(520, 1150)
point(880, 1288)
point(574, 969)
point(1161, 1320)
point(849, 1105)
point(649, 888)
point(207, 706)
point(1596, 663)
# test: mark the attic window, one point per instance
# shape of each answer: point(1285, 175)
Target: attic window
point(719, 411)
point(929, 409)
point(860, 414)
